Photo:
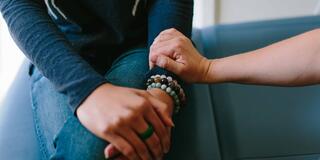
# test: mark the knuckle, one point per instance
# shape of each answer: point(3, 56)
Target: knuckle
point(106, 128)
point(162, 132)
point(164, 63)
point(153, 47)
point(145, 94)
point(181, 39)
point(144, 152)
point(128, 151)
point(153, 54)
point(178, 46)
point(156, 147)
point(120, 121)
point(134, 117)
point(172, 30)
point(142, 102)
point(154, 141)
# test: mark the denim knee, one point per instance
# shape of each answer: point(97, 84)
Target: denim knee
point(129, 70)
point(74, 141)
point(59, 133)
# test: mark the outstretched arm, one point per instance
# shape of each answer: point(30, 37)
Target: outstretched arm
point(292, 62)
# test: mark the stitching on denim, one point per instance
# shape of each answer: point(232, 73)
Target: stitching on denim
point(38, 79)
point(60, 130)
point(36, 76)
point(40, 137)
point(55, 137)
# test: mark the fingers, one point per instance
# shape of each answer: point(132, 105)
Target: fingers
point(139, 146)
point(161, 110)
point(112, 152)
point(159, 128)
point(163, 48)
point(169, 64)
point(152, 142)
point(173, 48)
point(167, 34)
point(167, 48)
point(122, 145)
point(122, 158)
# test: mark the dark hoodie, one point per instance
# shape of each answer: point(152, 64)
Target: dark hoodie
point(72, 42)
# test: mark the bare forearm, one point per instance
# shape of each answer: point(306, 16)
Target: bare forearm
point(295, 61)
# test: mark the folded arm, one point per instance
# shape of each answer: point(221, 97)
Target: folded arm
point(47, 48)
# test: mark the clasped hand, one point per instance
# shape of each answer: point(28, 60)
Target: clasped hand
point(118, 115)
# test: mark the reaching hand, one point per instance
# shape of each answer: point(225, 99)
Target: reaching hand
point(118, 115)
point(173, 51)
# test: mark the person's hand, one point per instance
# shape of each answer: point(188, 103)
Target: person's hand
point(163, 109)
point(118, 115)
point(173, 51)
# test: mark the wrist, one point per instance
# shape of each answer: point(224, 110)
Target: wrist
point(95, 94)
point(162, 96)
point(214, 72)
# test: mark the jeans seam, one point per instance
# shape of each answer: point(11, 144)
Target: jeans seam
point(55, 137)
point(40, 137)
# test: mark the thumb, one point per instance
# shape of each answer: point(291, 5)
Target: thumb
point(111, 152)
point(151, 64)
point(169, 64)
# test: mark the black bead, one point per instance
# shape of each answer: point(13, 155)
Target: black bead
point(176, 89)
point(164, 81)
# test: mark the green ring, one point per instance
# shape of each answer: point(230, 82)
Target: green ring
point(147, 134)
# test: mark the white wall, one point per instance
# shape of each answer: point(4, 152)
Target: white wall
point(208, 12)
point(10, 59)
point(232, 11)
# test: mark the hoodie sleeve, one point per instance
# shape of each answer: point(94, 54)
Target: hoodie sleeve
point(47, 48)
point(165, 14)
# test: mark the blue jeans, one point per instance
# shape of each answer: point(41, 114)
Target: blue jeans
point(59, 133)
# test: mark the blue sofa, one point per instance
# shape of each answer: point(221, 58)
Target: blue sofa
point(221, 121)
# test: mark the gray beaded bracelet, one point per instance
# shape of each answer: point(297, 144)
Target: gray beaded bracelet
point(170, 86)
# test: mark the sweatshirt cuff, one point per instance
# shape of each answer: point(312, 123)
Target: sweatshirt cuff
point(77, 97)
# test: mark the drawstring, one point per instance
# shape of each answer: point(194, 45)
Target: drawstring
point(135, 7)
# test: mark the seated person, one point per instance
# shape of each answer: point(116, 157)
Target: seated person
point(89, 62)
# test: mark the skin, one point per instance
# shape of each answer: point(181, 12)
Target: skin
point(118, 115)
point(292, 62)
point(156, 93)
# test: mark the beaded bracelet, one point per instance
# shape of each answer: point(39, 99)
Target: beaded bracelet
point(170, 86)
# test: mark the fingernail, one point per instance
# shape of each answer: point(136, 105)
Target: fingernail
point(107, 156)
point(166, 151)
point(171, 122)
point(111, 153)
